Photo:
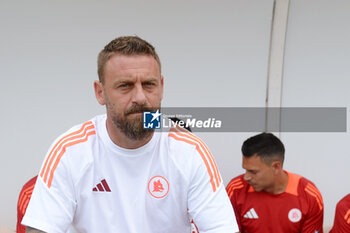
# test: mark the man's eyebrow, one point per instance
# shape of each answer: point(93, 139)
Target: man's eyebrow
point(249, 169)
point(125, 80)
point(121, 82)
point(252, 170)
point(151, 79)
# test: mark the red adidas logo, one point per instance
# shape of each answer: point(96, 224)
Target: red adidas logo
point(102, 187)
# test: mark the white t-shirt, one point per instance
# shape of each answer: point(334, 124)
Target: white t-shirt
point(88, 181)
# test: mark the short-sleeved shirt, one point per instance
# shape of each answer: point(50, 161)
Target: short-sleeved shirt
point(298, 209)
point(342, 216)
point(89, 181)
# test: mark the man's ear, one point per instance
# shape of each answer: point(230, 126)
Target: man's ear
point(277, 166)
point(162, 86)
point(99, 92)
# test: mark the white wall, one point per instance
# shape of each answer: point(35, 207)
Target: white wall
point(317, 74)
point(213, 54)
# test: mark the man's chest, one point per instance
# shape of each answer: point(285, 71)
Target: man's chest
point(125, 189)
point(260, 213)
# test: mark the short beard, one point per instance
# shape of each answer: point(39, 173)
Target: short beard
point(133, 128)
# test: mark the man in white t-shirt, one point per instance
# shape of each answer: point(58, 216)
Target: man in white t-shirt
point(110, 174)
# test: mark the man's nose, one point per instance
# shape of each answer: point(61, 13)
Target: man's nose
point(139, 96)
point(247, 177)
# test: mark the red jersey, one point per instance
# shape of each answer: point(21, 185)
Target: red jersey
point(23, 201)
point(298, 209)
point(342, 216)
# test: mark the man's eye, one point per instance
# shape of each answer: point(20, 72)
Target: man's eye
point(149, 84)
point(124, 85)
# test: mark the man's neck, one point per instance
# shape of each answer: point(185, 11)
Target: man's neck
point(120, 139)
point(280, 184)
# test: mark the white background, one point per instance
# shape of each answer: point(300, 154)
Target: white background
point(213, 53)
point(317, 73)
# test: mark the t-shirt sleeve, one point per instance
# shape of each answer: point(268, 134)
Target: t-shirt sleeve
point(314, 218)
point(52, 204)
point(342, 216)
point(231, 189)
point(208, 202)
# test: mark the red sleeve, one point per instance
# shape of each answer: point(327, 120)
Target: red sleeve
point(22, 203)
point(314, 218)
point(231, 189)
point(342, 216)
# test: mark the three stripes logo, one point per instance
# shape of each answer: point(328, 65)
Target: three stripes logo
point(181, 134)
point(102, 187)
point(347, 217)
point(233, 185)
point(251, 214)
point(25, 195)
point(313, 191)
point(59, 149)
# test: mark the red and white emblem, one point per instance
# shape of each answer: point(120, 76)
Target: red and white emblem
point(294, 215)
point(158, 186)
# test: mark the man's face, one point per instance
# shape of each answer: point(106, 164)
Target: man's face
point(132, 84)
point(258, 174)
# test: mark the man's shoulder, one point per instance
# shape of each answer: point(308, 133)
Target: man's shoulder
point(82, 139)
point(180, 139)
point(306, 184)
point(344, 203)
point(308, 190)
point(237, 186)
point(83, 126)
point(79, 133)
point(30, 183)
point(299, 181)
point(25, 195)
point(189, 152)
point(238, 179)
point(74, 149)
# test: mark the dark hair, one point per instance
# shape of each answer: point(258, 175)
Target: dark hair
point(125, 45)
point(265, 145)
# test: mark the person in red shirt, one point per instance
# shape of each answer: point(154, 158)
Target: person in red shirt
point(268, 199)
point(342, 216)
point(22, 203)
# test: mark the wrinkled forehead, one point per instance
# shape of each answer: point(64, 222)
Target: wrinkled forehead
point(132, 58)
point(129, 64)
